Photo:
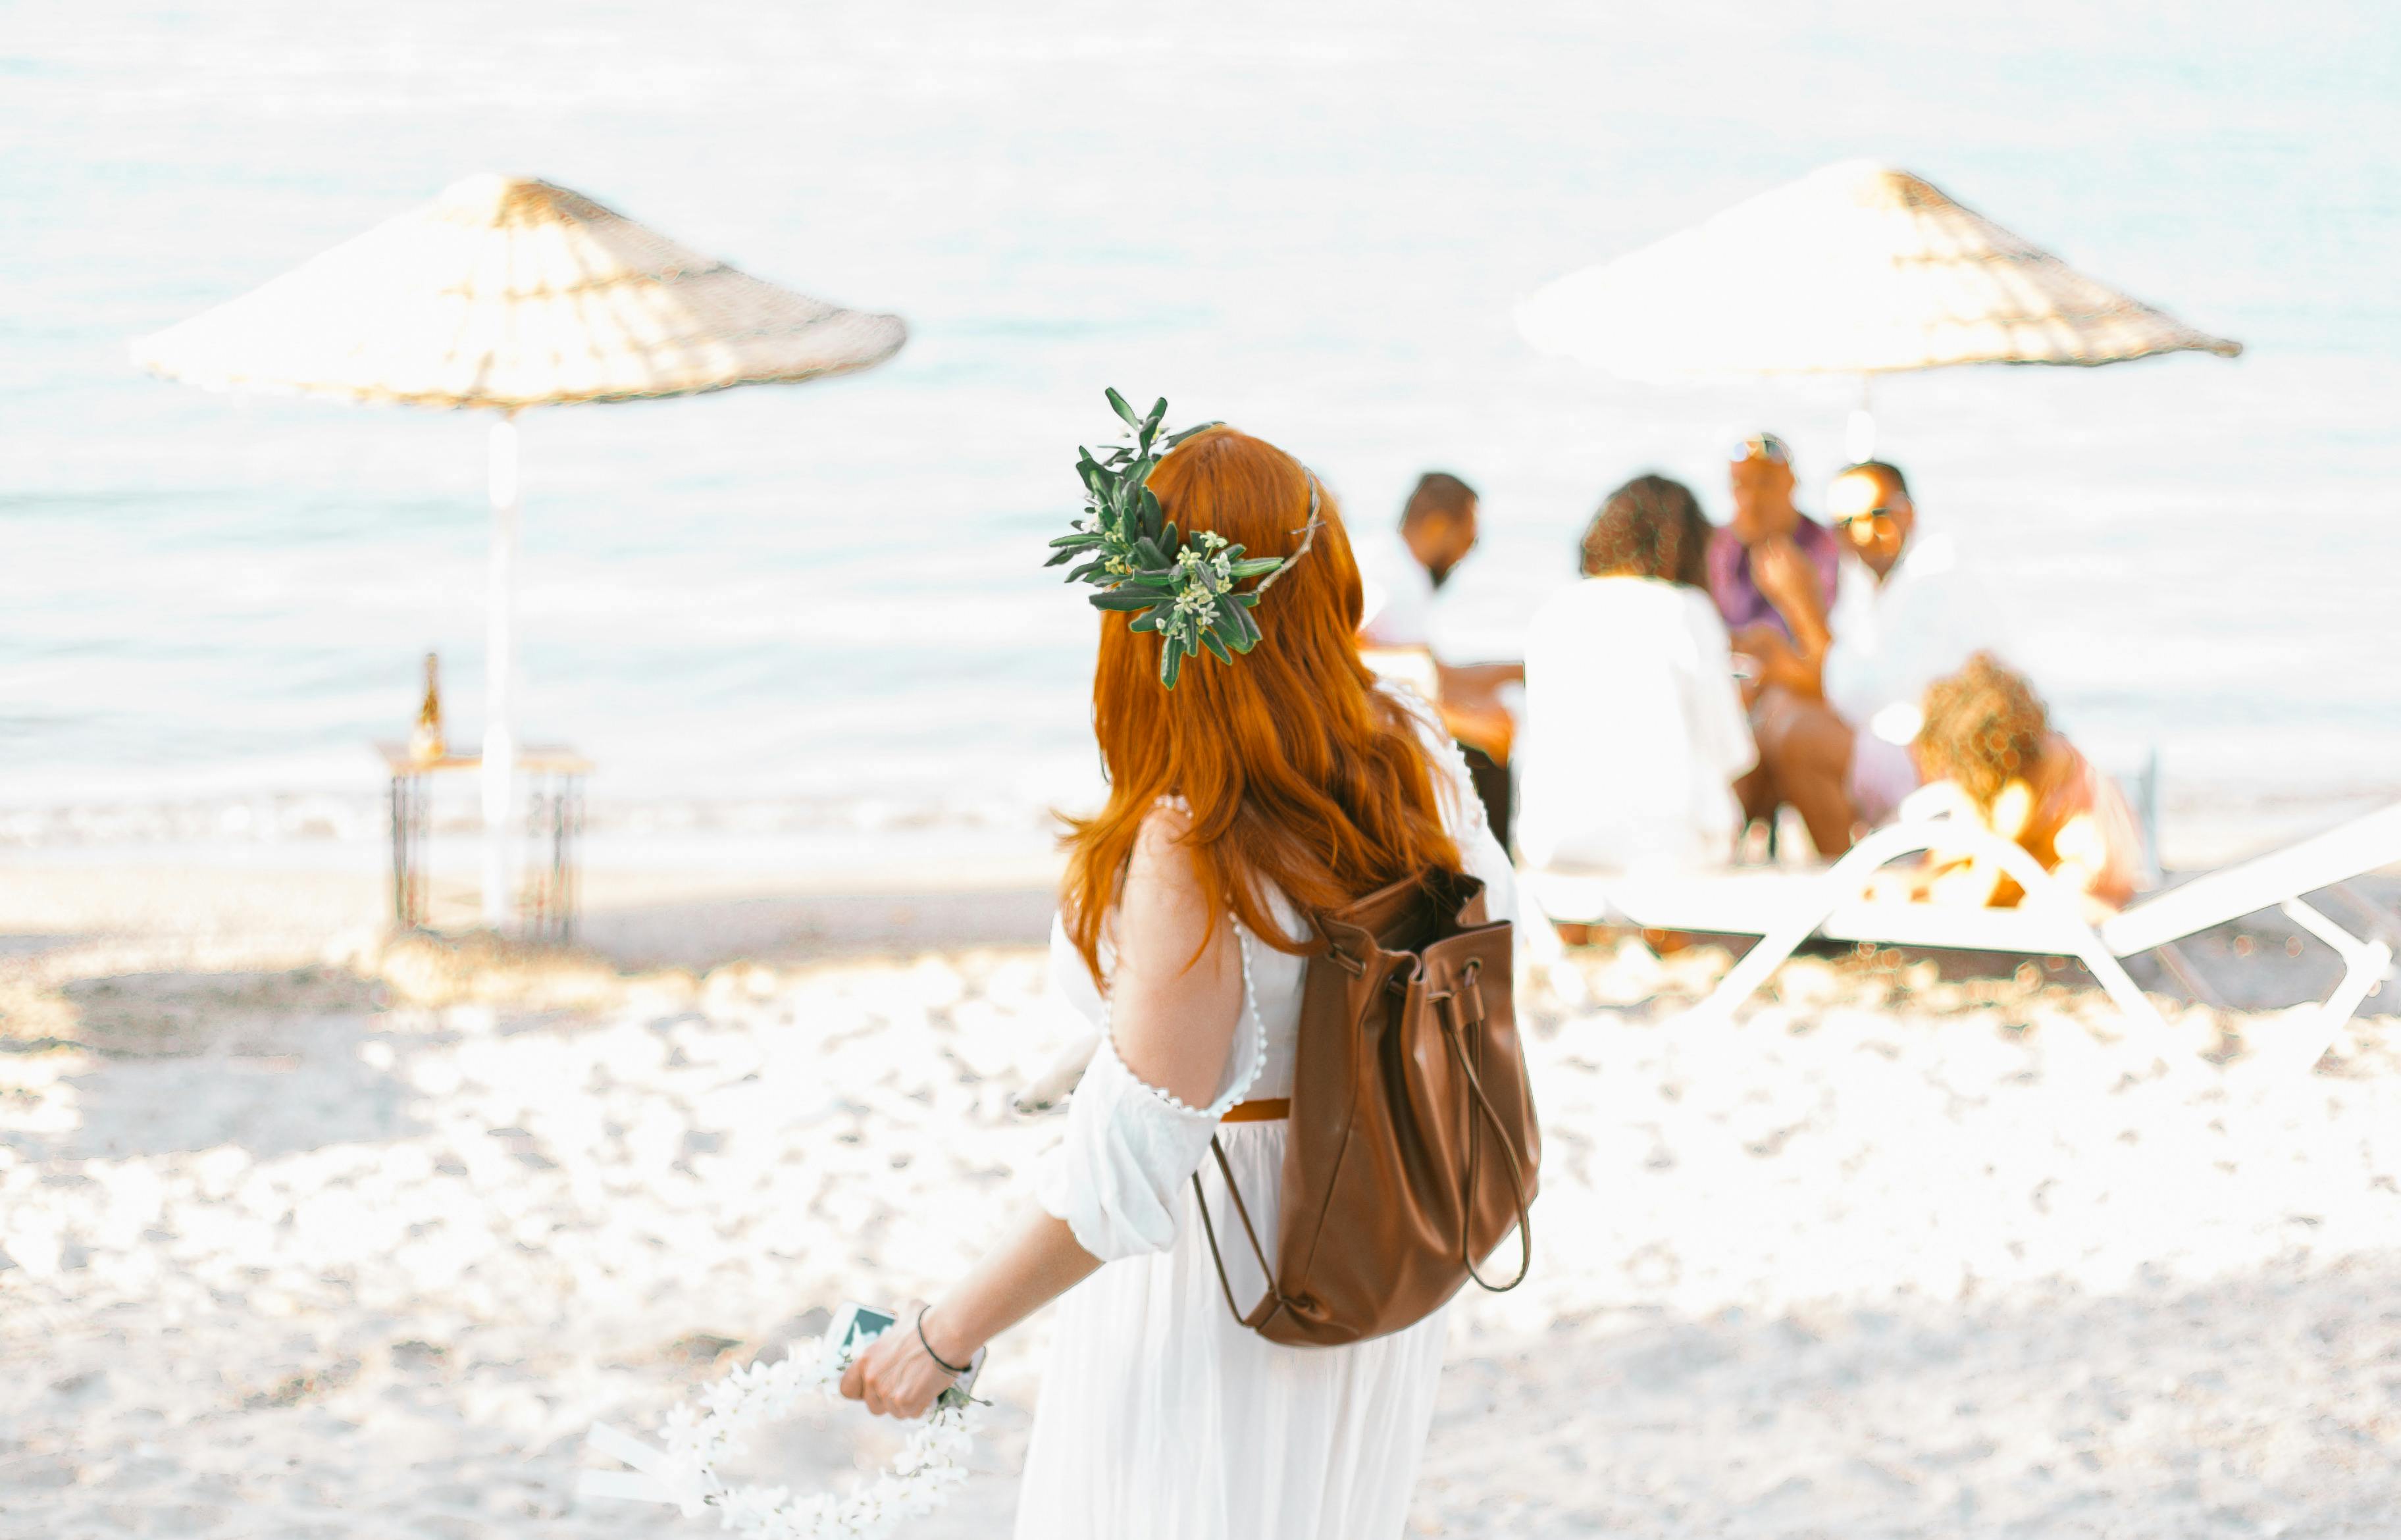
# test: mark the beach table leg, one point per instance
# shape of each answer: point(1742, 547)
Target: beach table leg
point(399, 858)
point(408, 819)
point(563, 849)
point(546, 903)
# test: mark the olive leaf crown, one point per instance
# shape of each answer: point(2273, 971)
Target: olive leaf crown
point(1181, 588)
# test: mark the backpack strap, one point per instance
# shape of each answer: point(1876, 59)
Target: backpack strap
point(1447, 1011)
point(1270, 1301)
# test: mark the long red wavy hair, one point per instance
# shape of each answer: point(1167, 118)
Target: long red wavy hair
point(1296, 769)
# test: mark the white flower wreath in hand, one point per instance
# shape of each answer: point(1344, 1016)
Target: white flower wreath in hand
point(684, 1473)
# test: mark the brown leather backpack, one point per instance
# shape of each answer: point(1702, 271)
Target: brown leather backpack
point(1412, 1148)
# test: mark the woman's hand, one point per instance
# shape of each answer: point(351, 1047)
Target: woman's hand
point(1034, 1264)
point(895, 1376)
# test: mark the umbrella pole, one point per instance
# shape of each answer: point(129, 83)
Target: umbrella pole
point(499, 669)
point(1858, 436)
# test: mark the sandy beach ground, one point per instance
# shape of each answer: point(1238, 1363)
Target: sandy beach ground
point(307, 1235)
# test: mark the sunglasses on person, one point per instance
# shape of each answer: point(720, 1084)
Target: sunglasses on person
point(1867, 523)
point(1766, 446)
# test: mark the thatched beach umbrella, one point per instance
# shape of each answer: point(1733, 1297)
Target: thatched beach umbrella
point(1857, 268)
point(508, 292)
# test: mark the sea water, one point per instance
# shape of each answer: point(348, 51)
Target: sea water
point(822, 607)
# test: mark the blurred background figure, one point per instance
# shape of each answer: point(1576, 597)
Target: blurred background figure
point(1400, 576)
point(1839, 699)
point(1989, 754)
point(1635, 731)
point(1771, 565)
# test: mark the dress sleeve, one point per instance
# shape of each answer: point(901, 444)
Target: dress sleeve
point(1117, 1176)
point(1070, 983)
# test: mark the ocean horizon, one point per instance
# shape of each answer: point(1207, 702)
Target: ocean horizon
point(817, 613)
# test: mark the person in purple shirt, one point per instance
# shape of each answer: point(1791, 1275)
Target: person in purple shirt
point(1768, 548)
point(1772, 574)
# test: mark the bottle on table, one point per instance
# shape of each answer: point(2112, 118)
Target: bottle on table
point(426, 744)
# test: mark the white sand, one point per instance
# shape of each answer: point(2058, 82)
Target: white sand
point(1882, 1260)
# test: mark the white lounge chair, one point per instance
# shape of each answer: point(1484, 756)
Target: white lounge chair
point(1784, 908)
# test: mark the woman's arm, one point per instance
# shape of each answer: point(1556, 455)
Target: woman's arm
point(1035, 1263)
point(1174, 998)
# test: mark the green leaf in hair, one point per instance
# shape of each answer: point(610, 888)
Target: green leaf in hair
point(1178, 587)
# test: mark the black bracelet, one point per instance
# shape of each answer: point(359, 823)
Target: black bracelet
point(956, 1370)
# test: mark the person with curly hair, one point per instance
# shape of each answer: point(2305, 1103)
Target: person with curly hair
point(1651, 527)
point(1988, 742)
point(1634, 728)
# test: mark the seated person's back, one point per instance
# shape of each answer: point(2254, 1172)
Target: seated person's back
point(1634, 726)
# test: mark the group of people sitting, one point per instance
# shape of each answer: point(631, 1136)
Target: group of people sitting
point(1699, 678)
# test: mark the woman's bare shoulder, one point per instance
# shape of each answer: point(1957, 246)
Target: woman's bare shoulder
point(1178, 984)
point(1168, 822)
point(1163, 901)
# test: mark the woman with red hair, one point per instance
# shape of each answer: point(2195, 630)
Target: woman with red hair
point(1264, 786)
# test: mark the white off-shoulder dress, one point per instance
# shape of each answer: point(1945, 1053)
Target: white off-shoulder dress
point(1160, 1416)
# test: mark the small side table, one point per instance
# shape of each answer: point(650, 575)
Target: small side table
point(554, 777)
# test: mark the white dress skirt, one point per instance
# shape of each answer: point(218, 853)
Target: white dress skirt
point(1160, 1415)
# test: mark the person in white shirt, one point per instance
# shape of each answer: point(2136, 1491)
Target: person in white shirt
point(1635, 731)
point(1399, 576)
point(1907, 613)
